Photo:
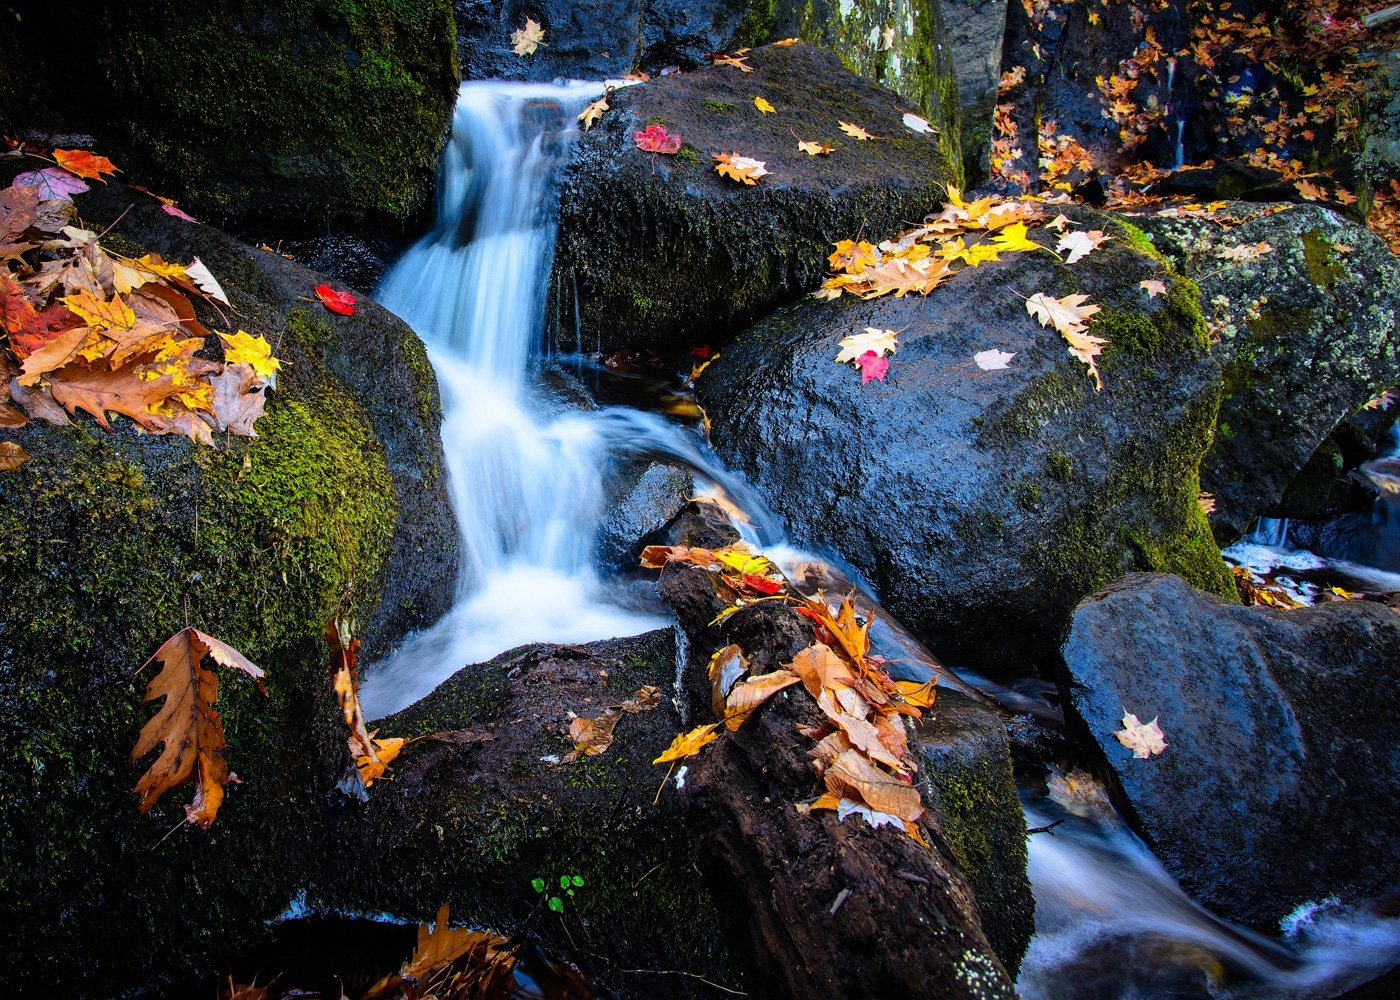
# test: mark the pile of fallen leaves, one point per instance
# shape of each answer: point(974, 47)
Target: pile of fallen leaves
point(861, 752)
point(86, 328)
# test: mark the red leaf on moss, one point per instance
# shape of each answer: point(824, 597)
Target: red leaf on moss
point(336, 302)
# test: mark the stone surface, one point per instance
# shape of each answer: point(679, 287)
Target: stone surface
point(661, 251)
point(302, 111)
point(975, 29)
point(114, 541)
point(651, 500)
point(981, 506)
point(1279, 781)
point(1307, 333)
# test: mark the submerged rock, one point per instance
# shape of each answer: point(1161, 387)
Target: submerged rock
point(1306, 334)
point(1278, 785)
point(292, 111)
point(982, 505)
point(661, 251)
point(114, 541)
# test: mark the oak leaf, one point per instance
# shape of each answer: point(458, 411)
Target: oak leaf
point(1143, 740)
point(916, 124)
point(763, 106)
point(1081, 243)
point(1246, 252)
point(241, 348)
point(880, 342)
point(655, 139)
point(124, 391)
point(526, 40)
point(855, 131)
point(1070, 317)
point(735, 59)
point(744, 169)
point(12, 456)
point(814, 148)
point(593, 112)
point(1310, 191)
point(689, 744)
point(337, 302)
point(84, 163)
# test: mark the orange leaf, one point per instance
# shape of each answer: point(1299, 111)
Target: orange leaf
point(689, 744)
point(744, 699)
point(84, 163)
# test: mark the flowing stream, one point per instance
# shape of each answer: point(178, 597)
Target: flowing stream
point(528, 481)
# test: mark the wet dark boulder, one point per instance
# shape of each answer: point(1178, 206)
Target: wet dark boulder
point(1278, 785)
point(1306, 333)
point(982, 505)
point(301, 112)
point(114, 541)
point(649, 498)
point(661, 251)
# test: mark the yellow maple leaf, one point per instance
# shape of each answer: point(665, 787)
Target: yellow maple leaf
point(814, 148)
point(855, 131)
point(852, 256)
point(525, 41)
point(977, 253)
point(787, 41)
point(593, 112)
point(1070, 317)
point(1013, 237)
point(763, 106)
point(256, 351)
point(98, 314)
point(1143, 739)
point(882, 342)
point(740, 168)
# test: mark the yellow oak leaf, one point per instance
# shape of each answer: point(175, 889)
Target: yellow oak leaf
point(1070, 316)
point(855, 131)
point(593, 112)
point(1080, 243)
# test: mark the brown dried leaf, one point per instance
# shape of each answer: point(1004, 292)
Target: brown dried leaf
point(852, 776)
point(12, 456)
point(238, 400)
point(745, 698)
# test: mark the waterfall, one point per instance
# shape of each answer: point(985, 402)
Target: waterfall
point(527, 489)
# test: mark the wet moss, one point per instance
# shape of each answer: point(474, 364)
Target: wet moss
point(718, 107)
point(1129, 332)
point(1324, 270)
point(757, 25)
point(1061, 468)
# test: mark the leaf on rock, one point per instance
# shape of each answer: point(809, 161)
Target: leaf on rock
point(646, 698)
point(852, 776)
point(814, 148)
point(726, 667)
point(787, 41)
point(241, 348)
point(124, 391)
point(855, 131)
point(372, 767)
point(206, 282)
point(526, 40)
point(1153, 287)
point(53, 183)
point(916, 124)
point(991, 361)
point(1080, 243)
point(84, 163)
point(974, 255)
point(54, 354)
point(99, 314)
point(1142, 740)
point(1059, 222)
point(12, 456)
point(1310, 191)
point(591, 736)
point(655, 139)
point(872, 367)
point(689, 744)
point(1013, 237)
point(593, 112)
point(1246, 252)
point(763, 106)
point(744, 169)
point(745, 698)
point(337, 302)
point(881, 342)
point(1070, 317)
point(237, 401)
point(171, 209)
point(735, 59)
point(919, 695)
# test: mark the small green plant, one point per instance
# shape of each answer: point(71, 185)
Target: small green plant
point(567, 885)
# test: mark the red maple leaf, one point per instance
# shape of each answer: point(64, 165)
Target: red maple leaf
point(655, 139)
point(701, 352)
point(762, 584)
point(872, 366)
point(336, 302)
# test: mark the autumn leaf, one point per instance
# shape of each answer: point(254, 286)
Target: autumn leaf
point(206, 282)
point(337, 302)
point(187, 726)
point(763, 106)
point(646, 698)
point(1153, 287)
point(1081, 243)
point(1013, 237)
point(124, 391)
point(655, 139)
point(12, 456)
point(1143, 740)
point(787, 41)
point(1070, 317)
point(727, 665)
point(99, 314)
point(593, 112)
point(1246, 252)
point(1059, 222)
point(735, 59)
point(852, 256)
point(993, 360)
point(372, 767)
point(872, 367)
point(855, 131)
point(745, 698)
point(814, 148)
point(852, 776)
point(1079, 793)
point(978, 253)
point(84, 163)
point(689, 744)
point(881, 342)
point(52, 183)
point(453, 964)
point(918, 695)
point(740, 168)
point(173, 209)
point(526, 40)
point(237, 400)
point(916, 124)
point(1382, 400)
point(242, 348)
point(591, 736)
point(1310, 191)
point(345, 682)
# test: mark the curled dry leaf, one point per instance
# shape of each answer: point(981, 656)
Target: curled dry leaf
point(526, 40)
point(1143, 740)
point(373, 766)
point(689, 744)
point(593, 112)
point(919, 695)
point(726, 667)
point(787, 41)
point(744, 699)
point(12, 456)
point(646, 698)
point(744, 169)
point(172, 209)
point(345, 681)
point(205, 281)
point(735, 59)
point(591, 736)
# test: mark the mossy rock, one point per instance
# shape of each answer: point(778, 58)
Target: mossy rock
point(474, 823)
point(301, 110)
point(981, 506)
point(1305, 334)
point(110, 542)
point(662, 251)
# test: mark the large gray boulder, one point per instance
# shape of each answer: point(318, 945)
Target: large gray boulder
point(1306, 333)
point(1278, 785)
point(982, 505)
point(661, 251)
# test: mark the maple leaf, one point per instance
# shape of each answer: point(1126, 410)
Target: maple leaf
point(1081, 243)
point(1246, 252)
point(337, 302)
point(745, 698)
point(237, 400)
point(916, 124)
point(1153, 287)
point(872, 367)
point(1070, 317)
point(55, 353)
point(12, 456)
point(763, 106)
point(735, 59)
point(1013, 237)
point(855, 131)
point(1078, 792)
point(977, 253)
point(1143, 740)
point(240, 347)
point(593, 112)
point(84, 163)
point(187, 726)
point(655, 139)
point(787, 41)
point(101, 315)
point(1059, 223)
point(526, 40)
point(919, 695)
point(739, 168)
point(993, 360)
point(591, 736)
point(814, 148)
point(852, 256)
point(172, 209)
point(52, 183)
point(880, 342)
point(689, 744)
point(206, 282)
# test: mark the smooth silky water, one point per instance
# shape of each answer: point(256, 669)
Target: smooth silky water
point(528, 485)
